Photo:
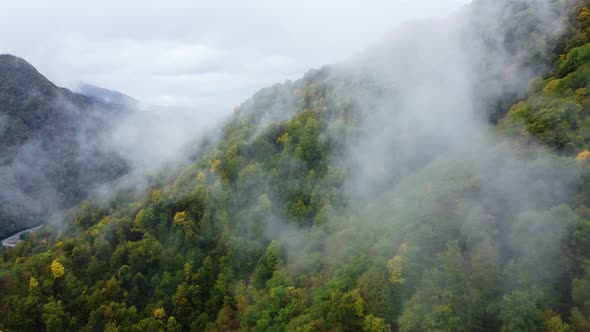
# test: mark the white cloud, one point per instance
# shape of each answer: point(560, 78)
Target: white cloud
point(203, 54)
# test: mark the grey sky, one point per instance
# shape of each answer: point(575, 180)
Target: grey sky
point(205, 54)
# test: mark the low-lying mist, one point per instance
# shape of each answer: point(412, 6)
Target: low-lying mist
point(381, 193)
point(427, 178)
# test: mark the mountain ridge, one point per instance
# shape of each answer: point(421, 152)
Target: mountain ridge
point(349, 200)
point(41, 151)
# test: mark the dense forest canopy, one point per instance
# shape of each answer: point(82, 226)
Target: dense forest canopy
point(438, 182)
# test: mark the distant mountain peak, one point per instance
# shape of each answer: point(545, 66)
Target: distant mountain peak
point(104, 95)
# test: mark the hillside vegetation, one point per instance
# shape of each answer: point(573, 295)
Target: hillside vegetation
point(44, 166)
point(353, 200)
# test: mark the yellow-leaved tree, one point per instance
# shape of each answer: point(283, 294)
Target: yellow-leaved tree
point(33, 283)
point(57, 270)
point(156, 193)
point(159, 313)
point(180, 217)
point(584, 155)
point(584, 14)
point(283, 138)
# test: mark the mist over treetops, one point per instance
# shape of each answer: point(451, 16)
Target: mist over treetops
point(437, 181)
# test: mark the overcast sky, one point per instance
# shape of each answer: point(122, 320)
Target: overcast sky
point(205, 54)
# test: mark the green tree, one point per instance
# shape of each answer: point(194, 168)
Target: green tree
point(54, 316)
point(267, 264)
point(519, 312)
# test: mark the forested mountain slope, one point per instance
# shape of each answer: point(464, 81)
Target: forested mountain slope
point(556, 109)
point(368, 196)
point(44, 166)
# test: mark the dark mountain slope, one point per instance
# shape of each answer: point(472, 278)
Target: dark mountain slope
point(45, 163)
point(30, 104)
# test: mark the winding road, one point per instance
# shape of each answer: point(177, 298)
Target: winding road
point(15, 239)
